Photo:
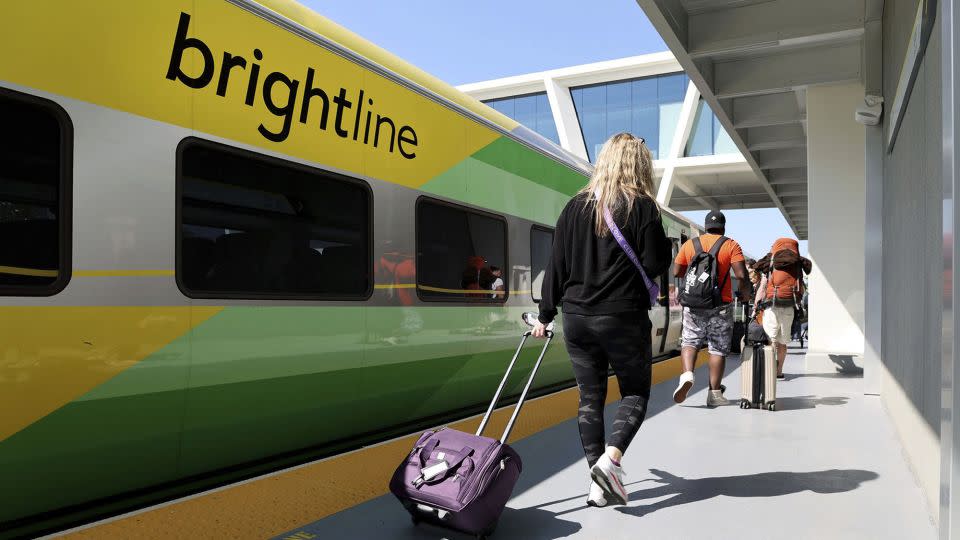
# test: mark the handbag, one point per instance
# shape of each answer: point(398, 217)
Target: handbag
point(652, 288)
point(755, 332)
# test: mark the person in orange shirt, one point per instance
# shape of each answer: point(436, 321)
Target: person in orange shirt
point(711, 325)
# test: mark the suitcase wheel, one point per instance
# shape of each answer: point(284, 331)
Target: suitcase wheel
point(744, 404)
point(486, 534)
point(771, 406)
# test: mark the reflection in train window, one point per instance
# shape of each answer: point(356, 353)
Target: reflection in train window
point(461, 254)
point(541, 243)
point(256, 227)
point(34, 196)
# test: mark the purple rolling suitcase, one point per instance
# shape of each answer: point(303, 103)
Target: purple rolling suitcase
point(462, 481)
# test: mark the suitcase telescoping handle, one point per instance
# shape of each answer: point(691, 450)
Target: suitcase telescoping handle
point(526, 389)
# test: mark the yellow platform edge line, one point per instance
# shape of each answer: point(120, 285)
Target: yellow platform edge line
point(273, 504)
point(123, 273)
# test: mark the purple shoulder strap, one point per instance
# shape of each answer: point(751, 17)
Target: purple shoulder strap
point(652, 289)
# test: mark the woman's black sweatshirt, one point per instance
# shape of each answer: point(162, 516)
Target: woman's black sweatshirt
point(589, 275)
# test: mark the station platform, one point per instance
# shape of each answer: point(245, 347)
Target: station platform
point(826, 464)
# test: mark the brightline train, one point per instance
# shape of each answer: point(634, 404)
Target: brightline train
point(235, 236)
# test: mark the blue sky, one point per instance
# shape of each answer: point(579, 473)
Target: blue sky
point(463, 42)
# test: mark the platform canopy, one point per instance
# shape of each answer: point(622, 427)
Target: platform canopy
point(752, 61)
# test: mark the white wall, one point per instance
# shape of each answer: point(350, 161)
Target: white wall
point(836, 176)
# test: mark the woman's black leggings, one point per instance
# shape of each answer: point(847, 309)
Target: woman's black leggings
point(619, 341)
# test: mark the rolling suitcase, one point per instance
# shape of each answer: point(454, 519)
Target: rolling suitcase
point(736, 343)
point(758, 372)
point(459, 480)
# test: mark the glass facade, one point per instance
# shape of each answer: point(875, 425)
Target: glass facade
point(648, 107)
point(531, 110)
point(708, 136)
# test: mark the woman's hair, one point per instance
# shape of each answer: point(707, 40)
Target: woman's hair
point(623, 172)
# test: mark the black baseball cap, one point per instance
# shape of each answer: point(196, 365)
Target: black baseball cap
point(714, 220)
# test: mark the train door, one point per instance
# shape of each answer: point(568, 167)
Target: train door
point(658, 320)
point(671, 336)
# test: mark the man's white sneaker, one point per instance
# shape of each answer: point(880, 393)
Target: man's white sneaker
point(596, 497)
point(609, 477)
point(686, 383)
point(715, 398)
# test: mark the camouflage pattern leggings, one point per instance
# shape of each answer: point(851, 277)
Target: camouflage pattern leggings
point(595, 343)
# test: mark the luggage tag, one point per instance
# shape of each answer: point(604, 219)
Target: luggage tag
point(431, 472)
point(703, 277)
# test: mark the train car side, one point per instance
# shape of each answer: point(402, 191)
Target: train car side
point(151, 373)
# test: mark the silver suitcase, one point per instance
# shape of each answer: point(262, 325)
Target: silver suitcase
point(758, 372)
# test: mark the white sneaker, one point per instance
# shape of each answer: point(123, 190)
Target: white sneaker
point(610, 479)
point(686, 383)
point(715, 398)
point(596, 497)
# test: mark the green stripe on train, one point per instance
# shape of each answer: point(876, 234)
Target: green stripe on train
point(506, 177)
point(261, 381)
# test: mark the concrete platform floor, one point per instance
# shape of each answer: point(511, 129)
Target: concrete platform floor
point(826, 464)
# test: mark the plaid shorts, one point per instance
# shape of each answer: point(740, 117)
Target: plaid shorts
point(715, 326)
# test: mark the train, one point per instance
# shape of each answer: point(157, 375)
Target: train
point(235, 236)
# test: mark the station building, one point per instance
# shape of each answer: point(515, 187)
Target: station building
point(768, 119)
point(580, 107)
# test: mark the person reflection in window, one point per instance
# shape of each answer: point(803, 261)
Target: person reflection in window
point(497, 286)
point(471, 276)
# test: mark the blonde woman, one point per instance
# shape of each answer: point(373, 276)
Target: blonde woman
point(605, 301)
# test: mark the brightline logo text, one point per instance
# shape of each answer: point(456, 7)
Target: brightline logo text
point(404, 138)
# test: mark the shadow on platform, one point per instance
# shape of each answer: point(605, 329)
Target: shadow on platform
point(845, 364)
point(808, 402)
point(837, 375)
point(770, 484)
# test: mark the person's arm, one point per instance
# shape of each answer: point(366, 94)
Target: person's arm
point(681, 262)
point(655, 257)
point(739, 270)
point(761, 290)
point(554, 276)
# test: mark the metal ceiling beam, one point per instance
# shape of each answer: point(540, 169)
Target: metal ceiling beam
point(779, 177)
point(716, 196)
point(794, 181)
point(775, 137)
point(768, 25)
point(695, 7)
point(793, 192)
point(668, 13)
point(676, 35)
point(694, 192)
point(786, 71)
point(788, 158)
point(684, 205)
point(766, 110)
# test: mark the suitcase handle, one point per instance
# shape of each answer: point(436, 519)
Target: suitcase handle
point(503, 383)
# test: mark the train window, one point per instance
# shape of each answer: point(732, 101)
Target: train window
point(35, 167)
point(257, 227)
point(541, 243)
point(461, 254)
